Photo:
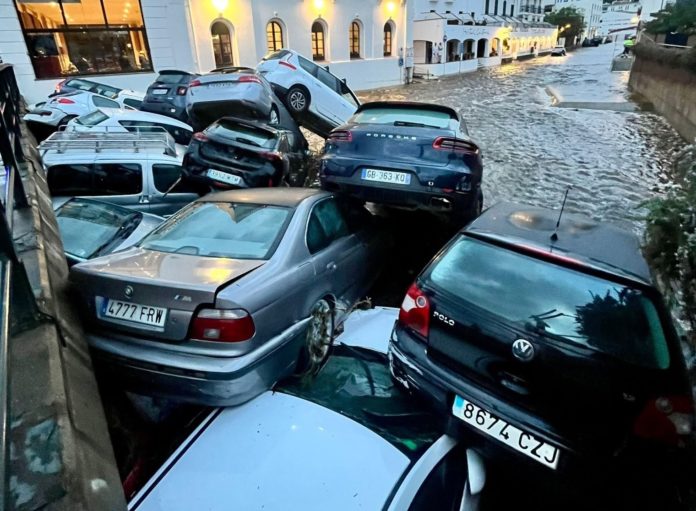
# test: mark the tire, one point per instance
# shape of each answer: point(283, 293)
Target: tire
point(318, 340)
point(297, 99)
point(274, 116)
point(65, 120)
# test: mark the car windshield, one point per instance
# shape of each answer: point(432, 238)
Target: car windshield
point(356, 383)
point(420, 117)
point(553, 301)
point(89, 227)
point(242, 133)
point(172, 78)
point(92, 118)
point(221, 229)
point(276, 55)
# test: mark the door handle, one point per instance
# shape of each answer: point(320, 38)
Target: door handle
point(331, 266)
point(144, 199)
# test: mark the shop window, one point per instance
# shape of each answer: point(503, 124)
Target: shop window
point(388, 38)
point(222, 44)
point(318, 41)
point(88, 37)
point(354, 36)
point(274, 36)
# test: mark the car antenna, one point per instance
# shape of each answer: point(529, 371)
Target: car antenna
point(554, 236)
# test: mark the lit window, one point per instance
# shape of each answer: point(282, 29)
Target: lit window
point(318, 45)
point(388, 38)
point(222, 44)
point(354, 40)
point(88, 37)
point(274, 36)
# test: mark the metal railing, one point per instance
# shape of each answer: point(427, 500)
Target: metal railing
point(14, 285)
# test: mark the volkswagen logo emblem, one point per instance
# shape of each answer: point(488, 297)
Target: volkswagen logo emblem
point(523, 350)
point(128, 292)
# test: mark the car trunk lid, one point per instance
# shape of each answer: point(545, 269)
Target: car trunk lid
point(179, 283)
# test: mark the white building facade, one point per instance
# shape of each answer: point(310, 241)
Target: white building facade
point(591, 10)
point(370, 43)
point(620, 19)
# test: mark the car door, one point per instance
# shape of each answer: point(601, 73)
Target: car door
point(163, 179)
point(317, 90)
point(329, 103)
point(121, 182)
point(336, 253)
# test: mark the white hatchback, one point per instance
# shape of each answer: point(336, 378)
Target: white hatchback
point(317, 99)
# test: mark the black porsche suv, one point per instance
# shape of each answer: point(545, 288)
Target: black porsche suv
point(550, 346)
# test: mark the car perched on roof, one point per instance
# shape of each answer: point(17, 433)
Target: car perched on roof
point(411, 155)
point(236, 153)
point(348, 436)
point(231, 294)
point(125, 97)
point(317, 99)
point(167, 94)
point(547, 340)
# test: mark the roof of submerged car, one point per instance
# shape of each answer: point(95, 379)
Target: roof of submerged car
point(287, 197)
point(598, 243)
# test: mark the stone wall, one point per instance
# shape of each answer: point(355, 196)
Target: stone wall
point(671, 90)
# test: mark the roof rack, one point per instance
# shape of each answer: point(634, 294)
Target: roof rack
point(98, 141)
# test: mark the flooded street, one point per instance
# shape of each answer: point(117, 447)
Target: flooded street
point(533, 150)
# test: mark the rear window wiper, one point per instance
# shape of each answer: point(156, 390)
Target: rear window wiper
point(247, 141)
point(414, 124)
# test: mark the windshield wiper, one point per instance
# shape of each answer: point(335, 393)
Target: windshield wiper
point(247, 141)
point(414, 124)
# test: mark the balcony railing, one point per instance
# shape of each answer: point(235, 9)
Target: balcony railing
point(18, 301)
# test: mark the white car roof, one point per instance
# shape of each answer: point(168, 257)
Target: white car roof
point(137, 115)
point(276, 452)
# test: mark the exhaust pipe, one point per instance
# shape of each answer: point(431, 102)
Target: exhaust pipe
point(441, 203)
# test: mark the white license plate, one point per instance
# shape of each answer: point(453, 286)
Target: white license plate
point(222, 84)
point(224, 177)
point(508, 434)
point(134, 312)
point(386, 176)
point(159, 91)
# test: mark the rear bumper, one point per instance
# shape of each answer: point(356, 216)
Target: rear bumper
point(195, 167)
point(50, 120)
point(210, 381)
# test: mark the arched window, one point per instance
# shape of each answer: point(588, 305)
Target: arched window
point(222, 44)
point(388, 38)
point(354, 36)
point(318, 41)
point(274, 36)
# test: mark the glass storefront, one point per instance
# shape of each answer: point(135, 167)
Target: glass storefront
point(84, 37)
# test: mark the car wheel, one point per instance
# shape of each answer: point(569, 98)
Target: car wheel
point(65, 120)
point(298, 99)
point(318, 340)
point(274, 116)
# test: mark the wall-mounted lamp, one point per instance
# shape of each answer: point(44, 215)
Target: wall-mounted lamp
point(318, 4)
point(220, 5)
point(391, 7)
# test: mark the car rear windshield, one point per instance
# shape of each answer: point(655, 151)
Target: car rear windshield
point(173, 78)
point(276, 55)
point(404, 116)
point(88, 227)
point(92, 118)
point(356, 383)
point(242, 133)
point(553, 301)
point(99, 88)
point(221, 229)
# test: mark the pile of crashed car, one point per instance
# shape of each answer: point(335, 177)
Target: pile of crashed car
point(532, 337)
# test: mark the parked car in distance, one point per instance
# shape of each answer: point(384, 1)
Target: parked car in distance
point(550, 344)
point(244, 154)
point(397, 457)
point(167, 94)
point(230, 91)
point(133, 170)
point(231, 294)
point(91, 228)
point(115, 120)
point(558, 51)
point(317, 99)
point(411, 155)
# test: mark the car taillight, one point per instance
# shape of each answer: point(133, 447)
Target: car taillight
point(59, 86)
point(271, 156)
point(194, 83)
point(181, 91)
point(341, 136)
point(666, 419)
point(415, 311)
point(456, 145)
point(287, 64)
point(249, 79)
point(65, 101)
point(222, 325)
point(200, 136)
